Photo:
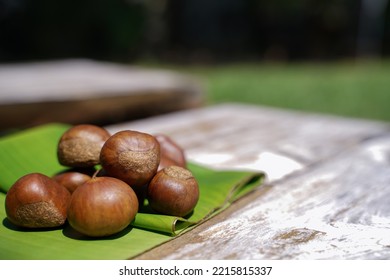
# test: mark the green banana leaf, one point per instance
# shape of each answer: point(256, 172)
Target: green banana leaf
point(34, 150)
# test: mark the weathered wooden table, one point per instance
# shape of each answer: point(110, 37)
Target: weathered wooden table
point(328, 190)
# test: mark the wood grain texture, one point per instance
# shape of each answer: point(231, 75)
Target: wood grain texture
point(336, 210)
point(327, 195)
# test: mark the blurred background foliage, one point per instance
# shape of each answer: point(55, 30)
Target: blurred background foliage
point(320, 55)
point(194, 30)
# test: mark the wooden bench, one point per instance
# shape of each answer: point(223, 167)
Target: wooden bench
point(327, 194)
point(85, 91)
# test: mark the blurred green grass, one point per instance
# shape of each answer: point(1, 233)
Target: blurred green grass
point(355, 89)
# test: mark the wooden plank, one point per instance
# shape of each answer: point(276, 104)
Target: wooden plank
point(326, 198)
point(234, 136)
point(76, 91)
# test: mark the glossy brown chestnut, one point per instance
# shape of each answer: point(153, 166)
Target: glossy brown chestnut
point(80, 145)
point(102, 206)
point(173, 191)
point(170, 152)
point(71, 180)
point(131, 156)
point(37, 201)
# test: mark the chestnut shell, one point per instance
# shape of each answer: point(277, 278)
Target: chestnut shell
point(131, 156)
point(102, 206)
point(170, 152)
point(37, 201)
point(71, 180)
point(173, 191)
point(80, 145)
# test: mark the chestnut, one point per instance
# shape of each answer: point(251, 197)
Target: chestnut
point(80, 145)
point(131, 156)
point(173, 191)
point(170, 152)
point(37, 201)
point(71, 179)
point(102, 206)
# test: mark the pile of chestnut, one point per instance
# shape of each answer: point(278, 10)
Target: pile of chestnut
point(108, 179)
